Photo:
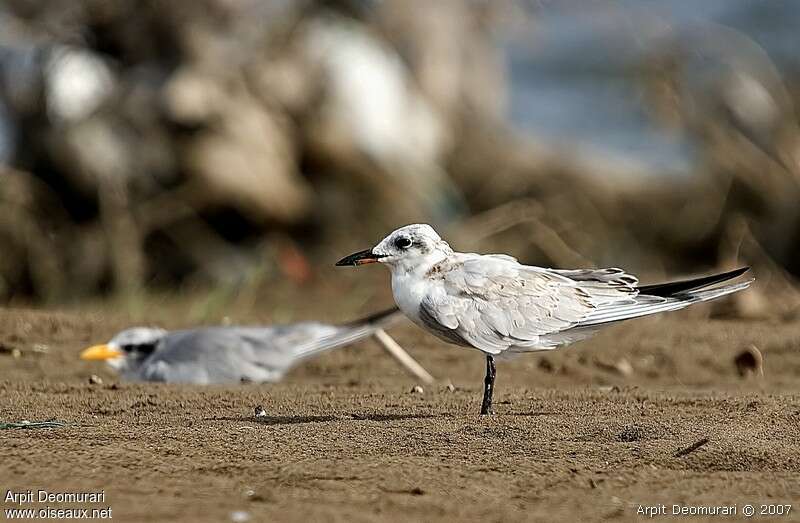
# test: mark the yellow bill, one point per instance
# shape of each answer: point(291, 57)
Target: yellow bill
point(101, 352)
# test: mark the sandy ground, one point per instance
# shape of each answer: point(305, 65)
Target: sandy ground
point(590, 433)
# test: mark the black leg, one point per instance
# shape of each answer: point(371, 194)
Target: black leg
point(488, 387)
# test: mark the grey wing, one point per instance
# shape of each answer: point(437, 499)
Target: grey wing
point(319, 337)
point(431, 316)
point(642, 303)
point(259, 354)
point(495, 304)
point(217, 355)
point(612, 276)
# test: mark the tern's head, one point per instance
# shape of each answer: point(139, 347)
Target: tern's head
point(411, 246)
point(128, 349)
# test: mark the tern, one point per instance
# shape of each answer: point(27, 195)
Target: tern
point(211, 355)
point(495, 304)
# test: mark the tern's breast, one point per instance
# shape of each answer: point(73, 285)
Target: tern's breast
point(409, 291)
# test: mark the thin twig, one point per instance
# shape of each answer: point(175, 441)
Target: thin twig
point(517, 212)
point(405, 359)
point(691, 448)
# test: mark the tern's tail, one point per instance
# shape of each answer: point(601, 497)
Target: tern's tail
point(342, 335)
point(665, 297)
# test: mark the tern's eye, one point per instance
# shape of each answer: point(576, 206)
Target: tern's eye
point(143, 348)
point(403, 242)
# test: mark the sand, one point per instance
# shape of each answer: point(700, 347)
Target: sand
point(590, 433)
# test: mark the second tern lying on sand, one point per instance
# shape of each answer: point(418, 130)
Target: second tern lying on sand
point(232, 354)
point(499, 306)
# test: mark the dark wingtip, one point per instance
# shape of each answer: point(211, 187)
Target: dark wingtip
point(389, 314)
point(734, 273)
point(672, 288)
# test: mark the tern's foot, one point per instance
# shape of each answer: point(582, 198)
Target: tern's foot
point(487, 412)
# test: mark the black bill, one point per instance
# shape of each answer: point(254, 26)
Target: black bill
point(360, 258)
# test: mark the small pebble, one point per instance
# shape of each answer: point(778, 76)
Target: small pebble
point(94, 379)
point(417, 390)
point(260, 412)
point(749, 362)
point(240, 516)
point(16, 354)
point(252, 495)
point(450, 387)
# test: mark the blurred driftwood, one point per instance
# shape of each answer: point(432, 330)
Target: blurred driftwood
point(240, 128)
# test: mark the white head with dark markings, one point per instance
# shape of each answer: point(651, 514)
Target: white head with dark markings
point(127, 349)
point(410, 248)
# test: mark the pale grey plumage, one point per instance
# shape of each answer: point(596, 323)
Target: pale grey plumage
point(495, 304)
point(232, 354)
point(499, 306)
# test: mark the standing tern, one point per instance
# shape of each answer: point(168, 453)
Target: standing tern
point(232, 354)
point(493, 303)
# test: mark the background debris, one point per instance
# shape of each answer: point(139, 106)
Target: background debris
point(243, 131)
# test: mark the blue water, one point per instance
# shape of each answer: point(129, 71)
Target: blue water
point(570, 80)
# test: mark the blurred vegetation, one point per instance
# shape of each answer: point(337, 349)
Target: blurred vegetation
point(234, 143)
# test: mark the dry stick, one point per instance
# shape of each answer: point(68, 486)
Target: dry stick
point(691, 448)
point(516, 212)
point(405, 359)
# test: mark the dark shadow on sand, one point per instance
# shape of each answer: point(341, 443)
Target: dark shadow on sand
point(277, 420)
point(396, 417)
point(532, 414)
point(292, 420)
